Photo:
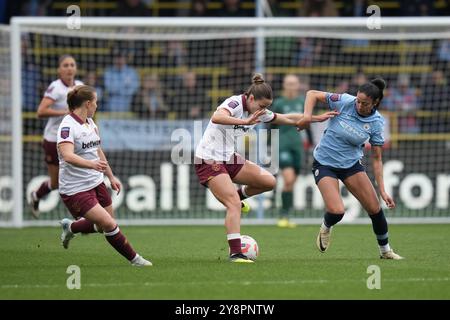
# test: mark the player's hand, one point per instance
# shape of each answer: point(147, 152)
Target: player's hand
point(388, 200)
point(304, 123)
point(115, 184)
point(254, 117)
point(99, 165)
point(325, 116)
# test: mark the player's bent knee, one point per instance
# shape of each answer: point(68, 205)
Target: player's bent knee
point(373, 210)
point(335, 209)
point(269, 183)
point(107, 225)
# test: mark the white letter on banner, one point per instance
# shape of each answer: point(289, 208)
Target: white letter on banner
point(143, 195)
point(166, 195)
point(6, 182)
point(426, 191)
point(181, 152)
point(442, 190)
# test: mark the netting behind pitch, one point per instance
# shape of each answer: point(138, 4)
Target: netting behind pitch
point(6, 182)
point(174, 78)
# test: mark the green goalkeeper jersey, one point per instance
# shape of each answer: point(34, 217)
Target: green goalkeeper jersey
point(289, 136)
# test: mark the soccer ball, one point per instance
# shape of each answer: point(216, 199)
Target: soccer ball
point(249, 247)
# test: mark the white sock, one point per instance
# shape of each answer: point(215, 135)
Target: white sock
point(385, 248)
point(243, 191)
point(324, 227)
point(232, 236)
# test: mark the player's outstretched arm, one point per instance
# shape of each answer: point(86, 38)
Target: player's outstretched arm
point(223, 116)
point(294, 118)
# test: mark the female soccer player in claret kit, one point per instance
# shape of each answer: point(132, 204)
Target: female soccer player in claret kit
point(54, 107)
point(81, 186)
point(218, 166)
point(338, 157)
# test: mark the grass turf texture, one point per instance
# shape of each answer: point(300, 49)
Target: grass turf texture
point(190, 262)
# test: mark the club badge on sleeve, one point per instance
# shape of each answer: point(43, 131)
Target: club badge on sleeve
point(65, 132)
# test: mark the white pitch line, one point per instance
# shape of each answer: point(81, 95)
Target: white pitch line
point(196, 283)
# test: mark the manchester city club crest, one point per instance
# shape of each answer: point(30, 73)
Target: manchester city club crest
point(366, 127)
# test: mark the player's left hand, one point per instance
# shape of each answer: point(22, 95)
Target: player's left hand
point(388, 200)
point(115, 184)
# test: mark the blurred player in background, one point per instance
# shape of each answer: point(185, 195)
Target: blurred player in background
point(338, 156)
point(290, 144)
point(54, 107)
point(217, 165)
point(81, 186)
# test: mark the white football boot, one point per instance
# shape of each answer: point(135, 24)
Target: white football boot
point(66, 234)
point(139, 261)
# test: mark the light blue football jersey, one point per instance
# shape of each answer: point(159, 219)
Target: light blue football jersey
point(342, 143)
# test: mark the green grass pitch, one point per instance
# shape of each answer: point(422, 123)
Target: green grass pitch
point(190, 262)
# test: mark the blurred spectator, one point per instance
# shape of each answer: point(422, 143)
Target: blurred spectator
point(149, 100)
point(35, 8)
point(31, 79)
point(436, 98)
point(308, 52)
point(199, 8)
point(239, 57)
point(415, 8)
point(232, 8)
point(131, 8)
point(343, 87)
point(355, 8)
point(277, 10)
point(189, 98)
point(444, 53)
point(358, 79)
point(121, 83)
point(176, 54)
point(403, 98)
point(318, 8)
point(90, 79)
point(304, 84)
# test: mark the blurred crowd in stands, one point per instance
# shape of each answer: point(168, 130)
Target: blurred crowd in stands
point(186, 93)
point(224, 8)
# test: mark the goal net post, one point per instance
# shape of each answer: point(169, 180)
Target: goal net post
point(160, 79)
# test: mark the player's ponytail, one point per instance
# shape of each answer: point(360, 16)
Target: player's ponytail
point(374, 89)
point(78, 95)
point(260, 89)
